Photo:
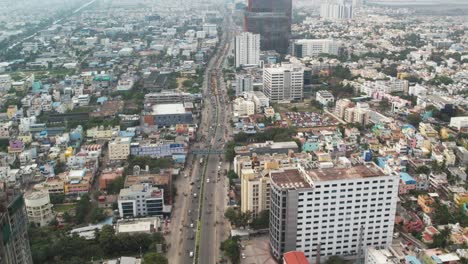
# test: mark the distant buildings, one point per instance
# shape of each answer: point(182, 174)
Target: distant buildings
point(283, 83)
point(336, 10)
point(315, 47)
point(272, 20)
point(247, 49)
point(244, 83)
point(337, 211)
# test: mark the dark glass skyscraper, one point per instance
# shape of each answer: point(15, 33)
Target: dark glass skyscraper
point(272, 20)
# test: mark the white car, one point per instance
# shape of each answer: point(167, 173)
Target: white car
point(207, 180)
point(191, 254)
point(243, 256)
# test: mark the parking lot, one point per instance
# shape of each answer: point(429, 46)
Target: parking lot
point(257, 251)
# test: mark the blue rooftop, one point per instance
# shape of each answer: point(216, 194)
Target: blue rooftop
point(407, 178)
point(412, 260)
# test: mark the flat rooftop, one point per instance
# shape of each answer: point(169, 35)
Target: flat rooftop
point(289, 178)
point(356, 172)
point(168, 109)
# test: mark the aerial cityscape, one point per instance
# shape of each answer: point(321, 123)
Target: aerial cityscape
point(234, 131)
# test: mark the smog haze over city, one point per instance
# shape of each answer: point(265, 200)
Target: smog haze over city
point(233, 131)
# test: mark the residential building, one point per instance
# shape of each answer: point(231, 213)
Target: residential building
point(324, 97)
point(101, 132)
point(39, 207)
point(165, 97)
point(14, 245)
point(243, 108)
point(259, 98)
point(244, 83)
point(255, 191)
point(269, 147)
point(5, 83)
point(141, 200)
point(459, 122)
point(283, 83)
point(119, 148)
point(314, 47)
point(337, 211)
point(247, 49)
point(272, 20)
point(336, 10)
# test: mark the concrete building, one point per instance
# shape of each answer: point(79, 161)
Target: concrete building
point(269, 147)
point(159, 149)
point(255, 191)
point(141, 200)
point(336, 10)
point(5, 83)
point(295, 257)
point(164, 115)
point(101, 132)
point(338, 211)
point(39, 207)
point(165, 97)
point(260, 100)
point(381, 256)
point(146, 225)
point(272, 20)
point(119, 148)
point(247, 49)
point(314, 47)
point(14, 245)
point(324, 98)
point(244, 83)
point(283, 83)
point(243, 108)
point(459, 122)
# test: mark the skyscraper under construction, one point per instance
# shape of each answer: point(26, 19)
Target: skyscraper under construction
point(272, 20)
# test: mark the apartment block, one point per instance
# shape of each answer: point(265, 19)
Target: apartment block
point(337, 211)
point(247, 49)
point(119, 148)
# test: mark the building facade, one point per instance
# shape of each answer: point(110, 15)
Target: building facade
point(119, 148)
point(247, 49)
point(283, 83)
point(314, 47)
point(39, 208)
point(336, 10)
point(141, 200)
point(272, 20)
point(338, 211)
point(14, 245)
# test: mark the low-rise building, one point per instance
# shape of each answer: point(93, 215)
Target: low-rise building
point(324, 98)
point(39, 207)
point(141, 200)
point(119, 148)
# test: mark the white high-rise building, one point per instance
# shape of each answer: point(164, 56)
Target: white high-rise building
point(315, 47)
point(247, 49)
point(336, 10)
point(332, 212)
point(283, 82)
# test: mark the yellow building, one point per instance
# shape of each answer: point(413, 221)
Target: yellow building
point(427, 130)
point(101, 132)
point(26, 138)
point(460, 198)
point(11, 111)
point(426, 202)
point(255, 191)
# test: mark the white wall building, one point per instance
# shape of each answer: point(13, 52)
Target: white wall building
point(210, 29)
point(331, 212)
point(39, 207)
point(459, 122)
point(324, 97)
point(5, 83)
point(259, 98)
point(119, 148)
point(283, 83)
point(315, 47)
point(336, 10)
point(141, 200)
point(243, 108)
point(247, 49)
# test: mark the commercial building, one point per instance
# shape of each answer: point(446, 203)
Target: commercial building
point(272, 20)
point(244, 83)
point(459, 122)
point(163, 115)
point(101, 132)
point(14, 245)
point(283, 83)
point(337, 211)
point(243, 108)
point(145, 225)
point(336, 10)
point(260, 100)
point(165, 97)
point(314, 47)
point(141, 200)
point(119, 148)
point(158, 150)
point(247, 49)
point(269, 147)
point(324, 98)
point(379, 256)
point(39, 207)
